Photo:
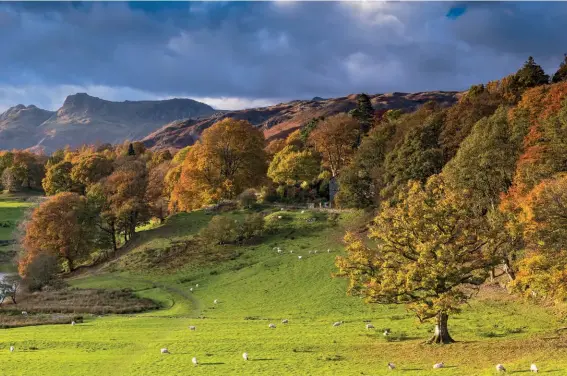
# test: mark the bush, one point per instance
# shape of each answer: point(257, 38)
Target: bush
point(267, 194)
point(41, 272)
point(220, 230)
point(251, 227)
point(247, 198)
point(223, 230)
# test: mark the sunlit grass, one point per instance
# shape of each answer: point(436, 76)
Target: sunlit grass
point(261, 287)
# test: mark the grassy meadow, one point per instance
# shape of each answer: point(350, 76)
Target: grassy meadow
point(256, 286)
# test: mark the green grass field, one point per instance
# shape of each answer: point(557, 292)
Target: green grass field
point(260, 287)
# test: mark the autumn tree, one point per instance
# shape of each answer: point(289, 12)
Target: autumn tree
point(229, 158)
point(485, 162)
point(361, 180)
point(58, 178)
point(335, 139)
point(291, 166)
point(543, 271)
point(89, 169)
point(125, 192)
point(561, 74)
point(156, 193)
point(417, 157)
point(430, 252)
point(61, 226)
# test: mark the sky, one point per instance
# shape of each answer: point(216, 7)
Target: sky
point(235, 55)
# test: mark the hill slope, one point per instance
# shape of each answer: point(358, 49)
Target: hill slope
point(86, 119)
point(259, 286)
point(281, 119)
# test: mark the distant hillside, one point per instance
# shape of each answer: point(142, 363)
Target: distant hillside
point(281, 119)
point(84, 119)
point(19, 124)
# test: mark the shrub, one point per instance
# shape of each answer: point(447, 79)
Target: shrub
point(267, 194)
point(42, 271)
point(251, 227)
point(220, 230)
point(247, 198)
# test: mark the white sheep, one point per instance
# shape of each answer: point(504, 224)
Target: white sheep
point(391, 365)
point(24, 313)
point(280, 217)
point(533, 368)
point(279, 251)
point(300, 257)
point(303, 212)
point(164, 351)
point(192, 328)
point(194, 360)
point(285, 321)
point(338, 323)
point(191, 289)
point(500, 368)
point(12, 349)
point(272, 326)
point(245, 356)
point(310, 252)
point(438, 365)
point(72, 323)
point(197, 285)
point(290, 251)
point(369, 326)
point(216, 301)
point(315, 251)
point(282, 209)
point(386, 332)
point(328, 251)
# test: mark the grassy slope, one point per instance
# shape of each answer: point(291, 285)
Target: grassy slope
point(262, 287)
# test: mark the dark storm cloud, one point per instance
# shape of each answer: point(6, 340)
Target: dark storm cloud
point(273, 50)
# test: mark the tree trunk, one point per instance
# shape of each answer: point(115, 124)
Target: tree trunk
point(70, 264)
point(113, 233)
point(441, 335)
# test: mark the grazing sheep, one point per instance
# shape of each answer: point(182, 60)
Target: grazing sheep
point(272, 326)
point(338, 323)
point(73, 323)
point(369, 326)
point(194, 360)
point(315, 251)
point(279, 251)
point(386, 332)
point(328, 251)
point(192, 327)
point(300, 257)
point(164, 351)
point(500, 368)
point(438, 365)
point(533, 368)
point(282, 209)
point(303, 212)
point(197, 285)
point(12, 349)
point(391, 365)
point(24, 313)
point(280, 217)
point(310, 252)
point(245, 356)
point(290, 251)
point(216, 301)
point(284, 321)
point(191, 289)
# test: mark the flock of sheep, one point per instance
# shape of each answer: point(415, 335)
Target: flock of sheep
point(387, 332)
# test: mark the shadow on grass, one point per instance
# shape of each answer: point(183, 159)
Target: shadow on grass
point(212, 364)
point(262, 359)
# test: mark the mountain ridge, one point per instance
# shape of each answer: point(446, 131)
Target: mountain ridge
point(85, 119)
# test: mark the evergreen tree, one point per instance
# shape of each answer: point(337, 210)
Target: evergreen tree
point(364, 114)
point(561, 74)
point(531, 75)
point(131, 150)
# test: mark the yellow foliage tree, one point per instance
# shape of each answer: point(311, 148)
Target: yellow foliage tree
point(229, 158)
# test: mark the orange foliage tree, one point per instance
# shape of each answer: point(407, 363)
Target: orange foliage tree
point(229, 158)
point(61, 226)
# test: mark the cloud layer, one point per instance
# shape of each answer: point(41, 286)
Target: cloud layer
point(236, 55)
